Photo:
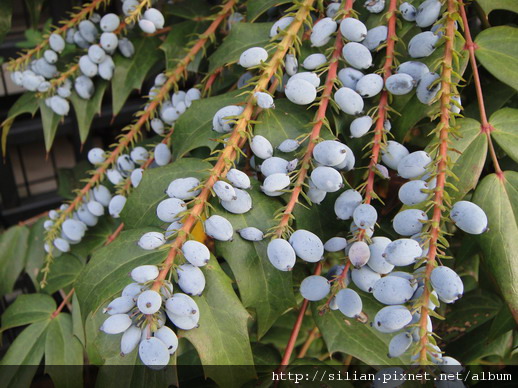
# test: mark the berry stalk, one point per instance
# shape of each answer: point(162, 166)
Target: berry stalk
point(238, 134)
point(296, 328)
point(84, 13)
point(134, 15)
point(111, 238)
point(320, 117)
point(383, 107)
point(134, 130)
point(442, 169)
point(63, 304)
point(486, 127)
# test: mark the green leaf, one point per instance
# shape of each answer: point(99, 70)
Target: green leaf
point(63, 272)
point(192, 9)
point(469, 164)
point(99, 345)
point(474, 347)
point(77, 322)
point(108, 270)
point(70, 179)
point(256, 8)
point(35, 252)
point(498, 197)
point(498, 53)
point(24, 355)
point(505, 124)
point(176, 43)
point(94, 239)
point(140, 209)
point(502, 323)
point(26, 103)
point(471, 311)
point(87, 109)
point(261, 286)
point(265, 354)
point(130, 73)
point(13, 246)
point(50, 122)
point(286, 121)
point(490, 5)
point(241, 37)
point(222, 335)
point(27, 309)
point(280, 332)
point(194, 128)
point(6, 12)
point(62, 348)
point(357, 339)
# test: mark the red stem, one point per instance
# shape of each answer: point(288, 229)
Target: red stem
point(382, 107)
point(63, 304)
point(315, 132)
point(111, 238)
point(442, 168)
point(33, 220)
point(212, 78)
point(486, 126)
point(298, 324)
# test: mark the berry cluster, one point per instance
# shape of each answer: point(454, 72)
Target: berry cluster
point(98, 37)
point(127, 167)
point(140, 314)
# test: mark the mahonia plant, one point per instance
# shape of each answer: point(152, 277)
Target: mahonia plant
point(305, 164)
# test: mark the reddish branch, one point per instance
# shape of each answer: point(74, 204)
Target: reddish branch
point(111, 238)
point(313, 334)
point(212, 78)
point(33, 220)
point(340, 279)
point(442, 168)
point(486, 127)
point(230, 152)
point(296, 328)
point(63, 304)
point(81, 15)
point(383, 107)
point(301, 178)
point(315, 132)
